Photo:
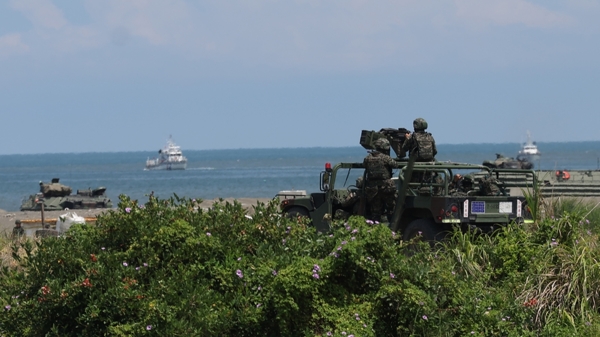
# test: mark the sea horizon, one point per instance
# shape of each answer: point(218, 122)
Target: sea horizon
point(237, 173)
point(517, 144)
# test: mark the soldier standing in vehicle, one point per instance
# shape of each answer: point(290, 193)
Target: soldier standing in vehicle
point(420, 143)
point(380, 189)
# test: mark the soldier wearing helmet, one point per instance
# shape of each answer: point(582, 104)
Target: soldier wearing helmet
point(420, 143)
point(350, 205)
point(380, 190)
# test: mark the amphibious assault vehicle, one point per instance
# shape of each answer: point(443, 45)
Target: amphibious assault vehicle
point(56, 196)
point(509, 163)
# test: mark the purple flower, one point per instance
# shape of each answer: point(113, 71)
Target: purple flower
point(335, 255)
point(339, 248)
point(394, 234)
point(370, 222)
point(354, 231)
point(344, 242)
point(315, 275)
point(283, 241)
point(392, 275)
point(329, 333)
point(425, 317)
point(128, 209)
point(125, 264)
point(350, 335)
point(258, 305)
point(353, 238)
point(330, 235)
point(259, 288)
point(420, 233)
point(239, 273)
point(7, 307)
point(148, 327)
point(344, 333)
point(274, 272)
point(316, 267)
point(145, 264)
point(239, 259)
point(137, 268)
point(103, 248)
point(208, 233)
point(142, 206)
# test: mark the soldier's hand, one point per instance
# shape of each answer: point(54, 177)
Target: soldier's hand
point(407, 135)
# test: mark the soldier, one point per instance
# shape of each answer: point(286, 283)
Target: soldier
point(350, 205)
point(18, 231)
point(460, 185)
point(380, 190)
point(420, 143)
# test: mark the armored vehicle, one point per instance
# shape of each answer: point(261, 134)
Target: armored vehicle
point(428, 201)
point(509, 162)
point(55, 196)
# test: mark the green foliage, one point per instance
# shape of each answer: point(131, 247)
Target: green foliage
point(170, 268)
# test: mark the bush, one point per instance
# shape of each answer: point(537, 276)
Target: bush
point(168, 267)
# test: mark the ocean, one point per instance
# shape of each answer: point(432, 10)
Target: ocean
point(237, 173)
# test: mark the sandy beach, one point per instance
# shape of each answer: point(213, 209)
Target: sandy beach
point(7, 219)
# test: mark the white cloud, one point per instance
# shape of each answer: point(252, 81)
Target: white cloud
point(41, 13)
point(509, 12)
point(158, 22)
point(12, 44)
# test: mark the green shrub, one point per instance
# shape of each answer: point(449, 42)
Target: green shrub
point(170, 268)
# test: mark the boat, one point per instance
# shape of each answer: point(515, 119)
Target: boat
point(529, 150)
point(170, 158)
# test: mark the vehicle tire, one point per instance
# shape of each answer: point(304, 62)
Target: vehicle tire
point(296, 212)
point(424, 229)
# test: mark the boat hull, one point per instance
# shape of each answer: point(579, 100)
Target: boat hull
point(167, 166)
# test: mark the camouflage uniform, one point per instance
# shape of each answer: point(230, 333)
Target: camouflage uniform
point(460, 186)
point(350, 205)
point(380, 189)
point(420, 143)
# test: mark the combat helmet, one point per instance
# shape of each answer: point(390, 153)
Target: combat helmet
point(382, 145)
point(419, 124)
point(359, 182)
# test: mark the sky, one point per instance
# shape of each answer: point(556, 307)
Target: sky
point(118, 75)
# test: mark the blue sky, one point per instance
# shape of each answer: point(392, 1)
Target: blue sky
point(116, 75)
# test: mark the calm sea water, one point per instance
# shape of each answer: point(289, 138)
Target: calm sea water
point(254, 173)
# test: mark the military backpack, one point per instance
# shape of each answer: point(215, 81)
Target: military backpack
point(424, 142)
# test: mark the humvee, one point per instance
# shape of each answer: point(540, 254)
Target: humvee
point(427, 205)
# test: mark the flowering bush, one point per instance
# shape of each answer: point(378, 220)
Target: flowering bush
point(169, 268)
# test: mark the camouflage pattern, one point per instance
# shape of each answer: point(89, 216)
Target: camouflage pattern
point(509, 163)
point(420, 124)
point(490, 186)
point(55, 197)
point(460, 186)
point(422, 145)
point(18, 230)
point(382, 144)
point(380, 190)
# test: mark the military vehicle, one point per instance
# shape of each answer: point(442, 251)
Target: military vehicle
point(509, 162)
point(55, 196)
point(428, 206)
